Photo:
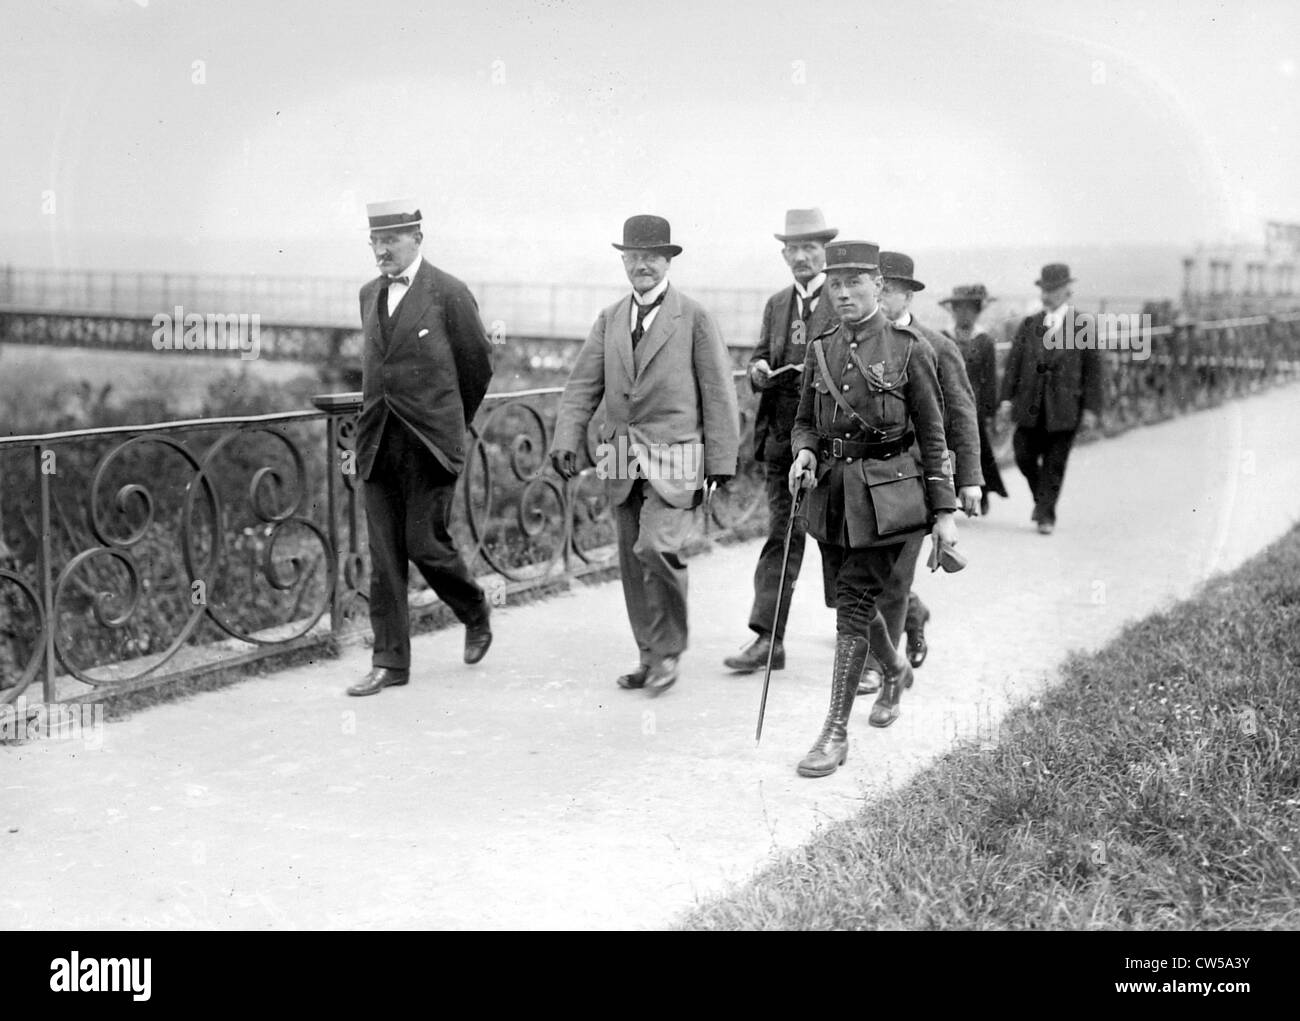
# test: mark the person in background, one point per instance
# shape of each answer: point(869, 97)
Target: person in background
point(965, 304)
point(1050, 389)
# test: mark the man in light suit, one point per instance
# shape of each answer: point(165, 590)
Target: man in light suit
point(426, 367)
point(671, 429)
point(1050, 389)
point(791, 318)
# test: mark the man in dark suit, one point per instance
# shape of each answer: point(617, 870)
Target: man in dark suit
point(965, 304)
point(791, 317)
point(902, 607)
point(426, 367)
point(1050, 388)
point(671, 428)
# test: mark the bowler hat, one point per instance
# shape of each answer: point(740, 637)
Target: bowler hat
point(973, 294)
point(852, 255)
point(392, 214)
point(1054, 275)
point(806, 225)
point(898, 267)
point(651, 232)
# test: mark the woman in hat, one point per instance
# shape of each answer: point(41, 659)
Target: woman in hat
point(965, 305)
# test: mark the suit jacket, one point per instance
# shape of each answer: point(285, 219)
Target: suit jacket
point(959, 422)
point(433, 372)
point(676, 388)
point(982, 369)
point(779, 403)
point(1058, 381)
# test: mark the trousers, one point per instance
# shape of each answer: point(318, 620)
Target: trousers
point(857, 578)
point(767, 574)
point(651, 534)
point(1041, 456)
point(408, 500)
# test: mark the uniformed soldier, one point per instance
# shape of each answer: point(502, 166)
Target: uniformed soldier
point(870, 388)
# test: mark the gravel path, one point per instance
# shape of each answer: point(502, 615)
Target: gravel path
point(529, 792)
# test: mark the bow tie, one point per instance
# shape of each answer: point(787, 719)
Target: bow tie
point(404, 281)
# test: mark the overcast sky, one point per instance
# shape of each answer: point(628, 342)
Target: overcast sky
point(248, 135)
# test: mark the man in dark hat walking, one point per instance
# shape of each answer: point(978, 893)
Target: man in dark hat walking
point(901, 606)
point(965, 304)
point(425, 370)
point(791, 317)
point(1050, 389)
point(671, 429)
point(870, 390)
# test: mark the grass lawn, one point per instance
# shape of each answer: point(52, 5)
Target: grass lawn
point(1157, 787)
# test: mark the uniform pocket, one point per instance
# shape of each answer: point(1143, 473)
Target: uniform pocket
point(897, 491)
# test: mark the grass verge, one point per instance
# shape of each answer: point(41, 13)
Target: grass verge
point(1156, 787)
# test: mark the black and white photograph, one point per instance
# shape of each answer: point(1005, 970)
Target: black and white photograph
point(552, 465)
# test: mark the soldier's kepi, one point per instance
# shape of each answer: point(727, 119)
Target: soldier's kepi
point(869, 389)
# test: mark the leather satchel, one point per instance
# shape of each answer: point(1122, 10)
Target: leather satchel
point(897, 489)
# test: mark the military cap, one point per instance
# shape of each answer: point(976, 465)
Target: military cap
point(852, 255)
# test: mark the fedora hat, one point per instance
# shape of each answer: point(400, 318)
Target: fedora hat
point(897, 266)
point(1054, 275)
point(806, 225)
point(972, 294)
point(650, 232)
point(852, 255)
point(392, 214)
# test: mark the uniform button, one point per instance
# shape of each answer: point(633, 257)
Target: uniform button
point(853, 346)
point(848, 460)
point(846, 386)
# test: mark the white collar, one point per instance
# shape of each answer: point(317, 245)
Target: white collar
point(412, 269)
point(652, 294)
point(813, 287)
point(1055, 319)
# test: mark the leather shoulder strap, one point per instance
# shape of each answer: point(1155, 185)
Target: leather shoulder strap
point(838, 397)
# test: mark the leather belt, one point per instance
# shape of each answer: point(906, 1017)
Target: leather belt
point(836, 447)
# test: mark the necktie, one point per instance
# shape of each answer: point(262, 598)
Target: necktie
point(642, 311)
point(806, 305)
point(404, 281)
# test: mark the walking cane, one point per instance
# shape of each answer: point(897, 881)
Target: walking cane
point(780, 589)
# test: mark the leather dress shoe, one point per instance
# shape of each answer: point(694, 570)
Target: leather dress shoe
point(378, 679)
point(917, 647)
point(477, 640)
point(662, 676)
point(754, 656)
point(636, 679)
point(870, 681)
point(885, 710)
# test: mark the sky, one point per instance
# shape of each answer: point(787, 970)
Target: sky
point(247, 136)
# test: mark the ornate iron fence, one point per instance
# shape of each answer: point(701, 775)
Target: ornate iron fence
point(136, 554)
